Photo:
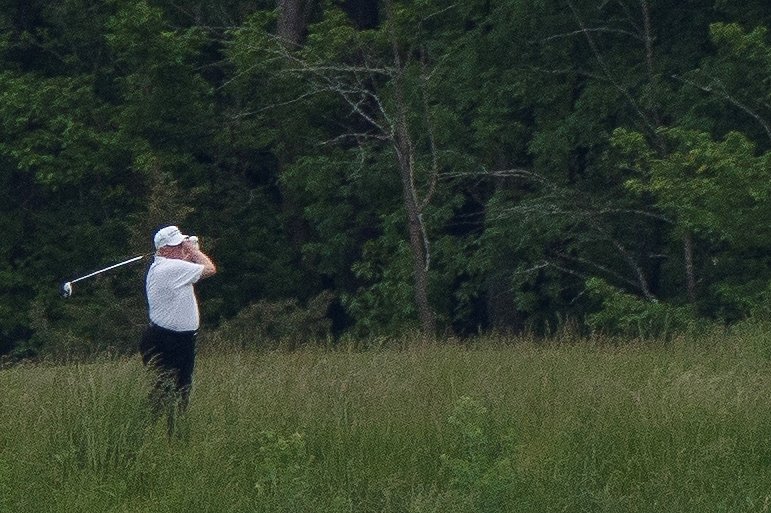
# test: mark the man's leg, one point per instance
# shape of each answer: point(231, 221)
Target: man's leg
point(185, 364)
point(180, 358)
point(155, 355)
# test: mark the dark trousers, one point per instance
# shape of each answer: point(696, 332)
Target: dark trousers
point(171, 355)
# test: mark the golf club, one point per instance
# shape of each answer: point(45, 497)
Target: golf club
point(65, 289)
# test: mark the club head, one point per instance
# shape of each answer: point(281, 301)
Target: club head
point(65, 289)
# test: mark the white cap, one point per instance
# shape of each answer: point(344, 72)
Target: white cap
point(169, 236)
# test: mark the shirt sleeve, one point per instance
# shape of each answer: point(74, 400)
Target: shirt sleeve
point(185, 273)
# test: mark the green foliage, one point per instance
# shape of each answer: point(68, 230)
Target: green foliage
point(711, 188)
point(478, 479)
point(570, 145)
point(717, 191)
point(628, 316)
point(52, 129)
point(271, 323)
point(736, 79)
point(111, 318)
point(763, 308)
point(165, 104)
point(383, 304)
point(282, 470)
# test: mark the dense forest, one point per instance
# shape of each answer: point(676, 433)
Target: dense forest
point(366, 168)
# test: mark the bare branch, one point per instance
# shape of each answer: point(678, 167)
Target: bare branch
point(305, 68)
point(629, 16)
point(643, 213)
point(238, 75)
point(437, 13)
point(437, 66)
point(643, 282)
point(596, 29)
point(504, 173)
point(571, 71)
point(356, 106)
point(721, 92)
point(537, 267)
point(426, 244)
point(275, 105)
point(607, 71)
point(357, 136)
point(568, 271)
point(376, 97)
point(602, 268)
point(648, 37)
point(430, 129)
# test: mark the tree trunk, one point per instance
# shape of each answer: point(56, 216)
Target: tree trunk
point(403, 148)
point(417, 239)
point(418, 242)
point(690, 276)
point(293, 18)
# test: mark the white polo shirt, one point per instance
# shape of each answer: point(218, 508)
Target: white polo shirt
point(170, 295)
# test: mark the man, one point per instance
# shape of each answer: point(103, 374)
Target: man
point(168, 344)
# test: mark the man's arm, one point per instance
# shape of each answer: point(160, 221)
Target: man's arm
point(199, 257)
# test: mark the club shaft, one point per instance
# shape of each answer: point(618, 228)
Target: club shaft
point(108, 268)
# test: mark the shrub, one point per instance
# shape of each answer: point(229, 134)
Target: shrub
point(279, 323)
point(282, 469)
point(478, 474)
point(627, 315)
point(86, 325)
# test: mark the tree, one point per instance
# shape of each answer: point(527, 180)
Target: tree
point(364, 71)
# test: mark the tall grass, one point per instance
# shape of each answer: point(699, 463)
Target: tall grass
point(569, 426)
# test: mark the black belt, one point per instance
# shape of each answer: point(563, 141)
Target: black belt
point(154, 326)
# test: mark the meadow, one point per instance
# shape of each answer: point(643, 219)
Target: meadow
point(499, 425)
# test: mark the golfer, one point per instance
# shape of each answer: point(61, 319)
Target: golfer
point(168, 343)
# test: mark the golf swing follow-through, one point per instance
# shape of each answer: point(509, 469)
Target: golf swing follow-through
point(168, 343)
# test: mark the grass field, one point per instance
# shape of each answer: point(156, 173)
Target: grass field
point(492, 427)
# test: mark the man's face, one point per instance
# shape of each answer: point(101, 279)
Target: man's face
point(181, 251)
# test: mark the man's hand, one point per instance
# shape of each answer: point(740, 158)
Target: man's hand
point(197, 256)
